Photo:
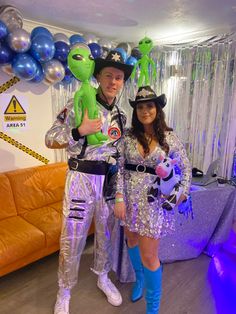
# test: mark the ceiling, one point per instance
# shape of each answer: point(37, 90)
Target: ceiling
point(164, 21)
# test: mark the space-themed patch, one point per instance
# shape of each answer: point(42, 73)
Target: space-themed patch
point(114, 133)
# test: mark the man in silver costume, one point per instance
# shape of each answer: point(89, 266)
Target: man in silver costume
point(88, 165)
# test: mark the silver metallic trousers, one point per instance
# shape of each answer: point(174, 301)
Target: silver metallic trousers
point(82, 200)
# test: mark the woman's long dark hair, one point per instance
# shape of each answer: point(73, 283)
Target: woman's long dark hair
point(159, 126)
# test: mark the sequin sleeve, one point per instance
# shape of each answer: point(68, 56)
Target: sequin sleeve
point(59, 135)
point(177, 150)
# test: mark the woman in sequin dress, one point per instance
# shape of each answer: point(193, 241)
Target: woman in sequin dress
point(145, 223)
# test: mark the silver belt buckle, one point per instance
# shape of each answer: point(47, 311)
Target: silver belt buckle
point(76, 165)
point(141, 171)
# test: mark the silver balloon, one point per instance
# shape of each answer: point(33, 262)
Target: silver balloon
point(113, 45)
point(105, 43)
point(61, 37)
point(90, 38)
point(47, 82)
point(19, 40)
point(126, 47)
point(7, 68)
point(104, 52)
point(54, 71)
point(12, 17)
point(79, 46)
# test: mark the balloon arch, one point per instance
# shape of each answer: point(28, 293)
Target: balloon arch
point(41, 56)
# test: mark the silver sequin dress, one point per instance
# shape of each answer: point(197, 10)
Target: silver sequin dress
point(148, 219)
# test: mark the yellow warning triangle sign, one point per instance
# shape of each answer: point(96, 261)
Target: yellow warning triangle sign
point(14, 107)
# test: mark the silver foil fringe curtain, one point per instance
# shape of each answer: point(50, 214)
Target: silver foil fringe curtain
point(201, 89)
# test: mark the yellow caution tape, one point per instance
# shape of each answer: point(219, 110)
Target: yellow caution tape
point(22, 147)
point(9, 84)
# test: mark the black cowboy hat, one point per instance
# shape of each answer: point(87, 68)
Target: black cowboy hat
point(114, 59)
point(145, 93)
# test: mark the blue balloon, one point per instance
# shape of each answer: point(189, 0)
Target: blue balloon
point(24, 66)
point(3, 30)
point(136, 53)
point(42, 48)
point(96, 50)
point(67, 79)
point(39, 30)
point(6, 54)
point(76, 39)
point(123, 53)
point(68, 75)
point(131, 60)
point(62, 51)
point(39, 76)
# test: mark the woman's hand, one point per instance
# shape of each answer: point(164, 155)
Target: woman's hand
point(120, 210)
point(182, 198)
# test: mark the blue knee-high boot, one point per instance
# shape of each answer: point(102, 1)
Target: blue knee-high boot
point(153, 289)
point(137, 289)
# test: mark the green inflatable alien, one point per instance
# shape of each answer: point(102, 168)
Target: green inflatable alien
point(81, 64)
point(145, 46)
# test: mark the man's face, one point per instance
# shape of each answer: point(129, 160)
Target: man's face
point(111, 81)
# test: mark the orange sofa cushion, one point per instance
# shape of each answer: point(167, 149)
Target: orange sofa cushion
point(37, 187)
point(18, 238)
point(48, 220)
point(7, 204)
point(57, 207)
point(30, 214)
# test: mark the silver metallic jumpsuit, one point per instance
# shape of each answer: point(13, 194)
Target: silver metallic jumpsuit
point(83, 196)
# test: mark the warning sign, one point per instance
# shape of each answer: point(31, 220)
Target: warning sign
point(14, 107)
point(14, 111)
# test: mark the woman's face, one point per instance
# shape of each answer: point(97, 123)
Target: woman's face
point(146, 112)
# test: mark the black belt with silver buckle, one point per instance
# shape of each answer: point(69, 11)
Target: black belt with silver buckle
point(140, 168)
point(88, 166)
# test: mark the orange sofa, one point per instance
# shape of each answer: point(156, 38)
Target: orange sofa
point(30, 214)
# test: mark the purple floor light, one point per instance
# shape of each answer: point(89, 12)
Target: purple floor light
point(233, 176)
point(222, 277)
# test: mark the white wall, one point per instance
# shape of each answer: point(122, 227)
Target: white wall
point(39, 119)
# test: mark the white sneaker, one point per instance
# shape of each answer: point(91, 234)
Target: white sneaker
point(63, 301)
point(111, 292)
